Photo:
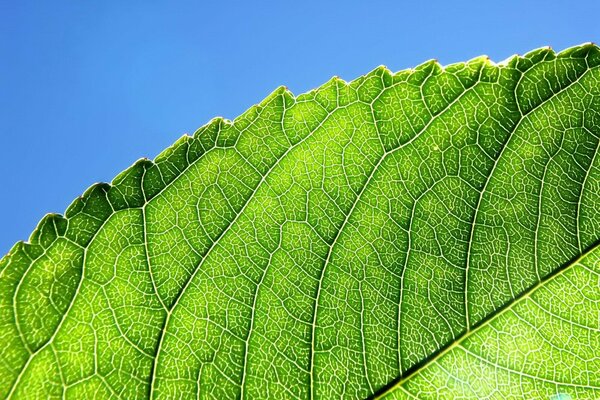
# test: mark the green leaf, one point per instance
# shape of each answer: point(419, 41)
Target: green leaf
point(428, 233)
point(544, 345)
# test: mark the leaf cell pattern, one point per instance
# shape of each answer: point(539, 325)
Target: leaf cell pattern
point(422, 234)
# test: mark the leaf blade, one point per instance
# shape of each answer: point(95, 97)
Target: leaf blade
point(509, 330)
point(372, 202)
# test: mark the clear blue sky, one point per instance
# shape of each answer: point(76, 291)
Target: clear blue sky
point(86, 88)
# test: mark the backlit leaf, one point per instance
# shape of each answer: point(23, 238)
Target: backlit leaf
point(422, 234)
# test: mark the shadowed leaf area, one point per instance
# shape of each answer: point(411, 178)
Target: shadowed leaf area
point(425, 234)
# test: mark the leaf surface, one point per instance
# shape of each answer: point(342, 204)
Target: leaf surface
point(544, 345)
point(405, 234)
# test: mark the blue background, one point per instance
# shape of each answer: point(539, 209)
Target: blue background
point(86, 88)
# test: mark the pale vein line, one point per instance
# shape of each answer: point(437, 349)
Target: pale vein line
point(145, 238)
point(252, 316)
point(404, 268)
point(536, 249)
point(524, 374)
point(362, 336)
point(412, 396)
point(566, 320)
